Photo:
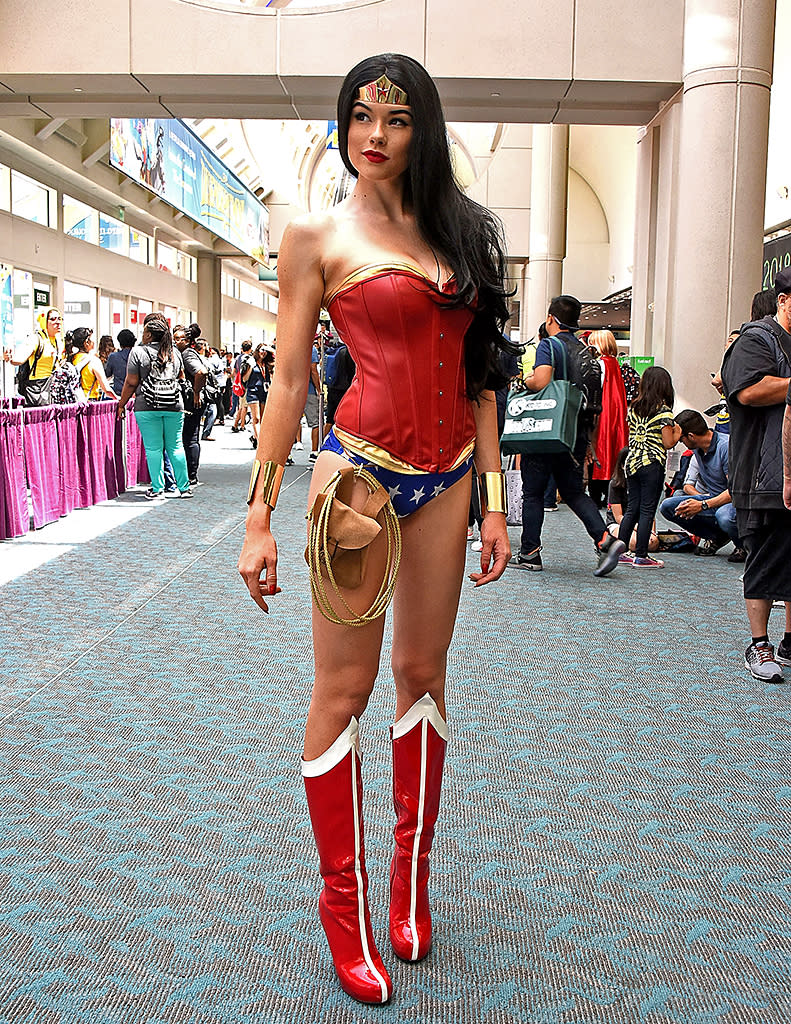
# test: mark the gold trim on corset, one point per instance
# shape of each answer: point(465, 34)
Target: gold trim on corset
point(373, 270)
point(379, 457)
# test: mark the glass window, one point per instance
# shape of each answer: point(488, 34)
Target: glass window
point(80, 221)
point(5, 187)
point(79, 306)
point(167, 258)
point(30, 199)
point(139, 246)
point(113, 235)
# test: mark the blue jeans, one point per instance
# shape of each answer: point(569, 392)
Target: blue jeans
point(711, 524)
point(161, 432)
point(210, 415)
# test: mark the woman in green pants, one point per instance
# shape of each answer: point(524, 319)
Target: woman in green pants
point(153, 376)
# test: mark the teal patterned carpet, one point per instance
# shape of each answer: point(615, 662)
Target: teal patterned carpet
point(615, 837)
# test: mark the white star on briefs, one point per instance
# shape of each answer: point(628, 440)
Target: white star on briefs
point(438, 490)
point(394, 491)
point(417, 495)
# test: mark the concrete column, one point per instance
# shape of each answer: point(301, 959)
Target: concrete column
point(728, 49)
point(210, 296)
point(644, 243)
point(548, 202)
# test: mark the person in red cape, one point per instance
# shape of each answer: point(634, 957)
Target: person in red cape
point(612, 433)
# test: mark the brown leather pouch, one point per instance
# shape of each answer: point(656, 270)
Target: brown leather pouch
point(349, 531)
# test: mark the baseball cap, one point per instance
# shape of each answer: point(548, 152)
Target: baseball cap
point(783, 282)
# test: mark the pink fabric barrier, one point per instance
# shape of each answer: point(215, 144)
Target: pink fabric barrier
point(69, 456)
point(99, 453)
point(14, 514)
point(136, 465)
point(42, 463)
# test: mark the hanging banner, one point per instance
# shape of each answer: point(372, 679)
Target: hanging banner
point(167, 158)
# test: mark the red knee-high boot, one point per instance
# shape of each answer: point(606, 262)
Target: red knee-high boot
point(333, 783)
point(419, 741)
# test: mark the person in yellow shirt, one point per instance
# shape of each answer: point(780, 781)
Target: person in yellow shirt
point(42, 352)
point(89, 366)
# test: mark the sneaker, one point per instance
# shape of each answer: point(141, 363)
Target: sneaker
point(710, 547)
point(151, 494)
point(759, 660)
point(477, 545)
point(313, 456)
point(299, 446)
point(626, 558)
point(609, 556)
point(171, 490)
point(737, 555)
point(647, 563)
point(531, 562)
point(289, 461)
point(783, 655)
point(253, 441)
point(550, 508)
point(189, 493)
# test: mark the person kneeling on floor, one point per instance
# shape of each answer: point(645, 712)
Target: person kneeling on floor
point(704, 507)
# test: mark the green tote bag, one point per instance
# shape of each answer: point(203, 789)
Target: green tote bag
point(542, 422)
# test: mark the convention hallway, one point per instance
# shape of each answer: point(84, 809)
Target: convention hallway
point(615, 835)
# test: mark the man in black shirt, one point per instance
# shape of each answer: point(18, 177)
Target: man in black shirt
point(756, 372)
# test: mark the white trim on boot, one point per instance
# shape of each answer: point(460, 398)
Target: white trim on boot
point(425, 708)
point(334, 754)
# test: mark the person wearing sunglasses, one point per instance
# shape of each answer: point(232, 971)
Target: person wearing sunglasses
point(41, 354)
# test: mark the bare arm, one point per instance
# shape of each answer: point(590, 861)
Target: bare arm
point(767, 391)
point(671, 435)
point(787, 457)
point(301, 283)
point(98, 369)
point(496, 548)
point(539, 378)
point(22, 359)
point(131, 382)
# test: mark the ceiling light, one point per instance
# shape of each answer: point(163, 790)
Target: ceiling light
point(494, 93)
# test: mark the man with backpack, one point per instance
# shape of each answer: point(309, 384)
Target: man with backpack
point(563, 357)
point(756, 371)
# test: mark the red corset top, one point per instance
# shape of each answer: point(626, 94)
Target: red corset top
point(409, 393)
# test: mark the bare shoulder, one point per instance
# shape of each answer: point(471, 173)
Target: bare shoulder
point(308, 234)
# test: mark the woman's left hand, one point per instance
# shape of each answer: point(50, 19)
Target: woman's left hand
point(496, 550)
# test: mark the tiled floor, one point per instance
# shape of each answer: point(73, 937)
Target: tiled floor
point(616, 824)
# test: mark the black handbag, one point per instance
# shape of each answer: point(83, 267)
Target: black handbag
point(34, 392)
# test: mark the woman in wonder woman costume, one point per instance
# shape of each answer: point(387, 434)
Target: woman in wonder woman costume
point(412, 274)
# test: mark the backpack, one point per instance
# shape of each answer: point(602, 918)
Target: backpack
point(161, 388)
point(337, 372)
point(585, 373)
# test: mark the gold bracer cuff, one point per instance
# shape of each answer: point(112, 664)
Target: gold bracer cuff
point(271, 477)
point(493, 492)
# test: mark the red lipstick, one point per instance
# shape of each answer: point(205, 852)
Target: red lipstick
point(375, 156)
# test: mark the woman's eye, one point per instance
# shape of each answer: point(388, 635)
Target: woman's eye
point(400, 122)
point(360, 116)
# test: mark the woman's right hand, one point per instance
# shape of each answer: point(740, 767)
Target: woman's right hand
point(258, 563)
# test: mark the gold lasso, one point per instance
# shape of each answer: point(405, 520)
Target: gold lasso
point(319, 556)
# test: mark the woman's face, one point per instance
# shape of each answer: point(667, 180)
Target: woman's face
point(379, 139)
point(54, 321)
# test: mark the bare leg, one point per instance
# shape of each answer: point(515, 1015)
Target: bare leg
point(254, 413)
point(346, 658)
point(427, 596)
point(758, 611)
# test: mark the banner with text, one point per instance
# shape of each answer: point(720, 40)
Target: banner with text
point(170, 160)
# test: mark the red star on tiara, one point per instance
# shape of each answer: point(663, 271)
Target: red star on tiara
point(383, 91)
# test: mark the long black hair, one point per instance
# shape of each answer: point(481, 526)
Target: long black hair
point(656, 392)
point(156, 326)
point(462, 233)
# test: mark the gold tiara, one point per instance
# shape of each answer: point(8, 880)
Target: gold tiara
point(383, 91)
